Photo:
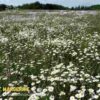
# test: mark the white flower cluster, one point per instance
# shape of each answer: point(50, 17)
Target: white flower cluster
point(57, 55)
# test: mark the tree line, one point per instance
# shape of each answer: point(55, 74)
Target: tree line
point(5, 7)
point(38, 5)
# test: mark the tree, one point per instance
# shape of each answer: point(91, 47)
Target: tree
point(3, 7)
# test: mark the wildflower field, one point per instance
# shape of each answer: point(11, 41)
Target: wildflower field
point(54, 53)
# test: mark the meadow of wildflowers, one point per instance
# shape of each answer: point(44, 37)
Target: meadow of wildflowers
point(56, 54)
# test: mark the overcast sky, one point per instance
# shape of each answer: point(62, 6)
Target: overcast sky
point(68, 3)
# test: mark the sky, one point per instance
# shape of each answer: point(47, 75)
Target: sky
point(67, 3)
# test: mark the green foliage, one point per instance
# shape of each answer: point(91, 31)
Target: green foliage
point(3, 7)
point(95, 7)
point(38, 5)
